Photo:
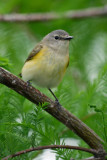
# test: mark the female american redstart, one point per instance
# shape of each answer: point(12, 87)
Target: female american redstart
point(48, 61)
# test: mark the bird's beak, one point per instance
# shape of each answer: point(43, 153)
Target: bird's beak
point(68, 38)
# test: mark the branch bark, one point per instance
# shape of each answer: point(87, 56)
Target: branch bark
point(60, 113)
point(92, 151)
point(85, 13)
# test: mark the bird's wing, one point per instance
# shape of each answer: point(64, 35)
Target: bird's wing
point(35, 51)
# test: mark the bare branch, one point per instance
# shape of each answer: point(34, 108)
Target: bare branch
point(85, 13)
point(60, 113)
point(92, 151)
point(92, 158)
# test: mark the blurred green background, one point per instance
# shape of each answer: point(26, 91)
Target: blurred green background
point(83, 90)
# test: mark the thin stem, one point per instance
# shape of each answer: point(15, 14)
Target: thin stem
point(92, 151)
point(78, 14)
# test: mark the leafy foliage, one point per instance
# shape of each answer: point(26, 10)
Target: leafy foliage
point(83, 90)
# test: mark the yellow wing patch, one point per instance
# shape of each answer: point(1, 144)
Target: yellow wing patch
point(37, 58)
point(34, 52)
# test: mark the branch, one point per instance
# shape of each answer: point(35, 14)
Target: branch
point(92, 151)
point(60, 113)
point(92, 158)
point(85, 13)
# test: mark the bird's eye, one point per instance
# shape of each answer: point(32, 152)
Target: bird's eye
point(56, 37)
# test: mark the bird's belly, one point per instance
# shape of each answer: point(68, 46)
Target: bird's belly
point(46, 72)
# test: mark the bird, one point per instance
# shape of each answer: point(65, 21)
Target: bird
point(48, 61)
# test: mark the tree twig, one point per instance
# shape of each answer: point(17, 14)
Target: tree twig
point(60, 113)
point(92, 158)
point(92, 151)
point(84, 13)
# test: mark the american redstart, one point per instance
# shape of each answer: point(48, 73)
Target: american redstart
point(48, 61)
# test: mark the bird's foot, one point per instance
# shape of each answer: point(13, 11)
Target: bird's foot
point(28, 83)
